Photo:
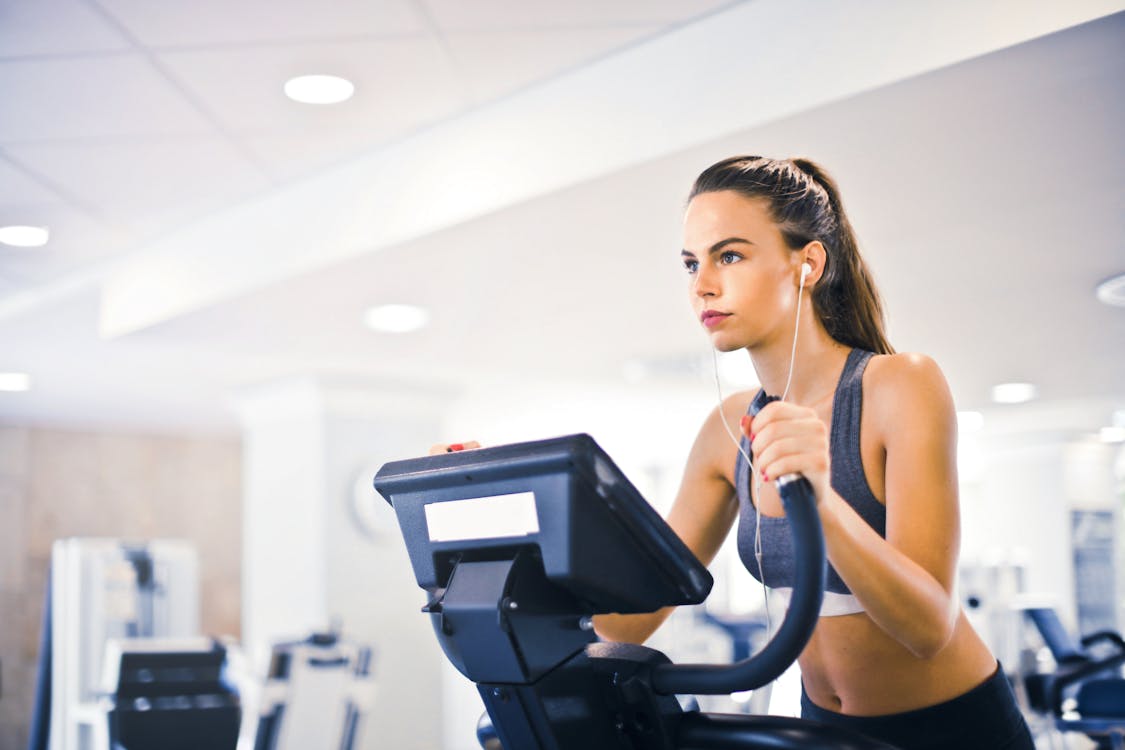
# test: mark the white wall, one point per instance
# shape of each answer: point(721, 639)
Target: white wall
point(371, 589)
point(311, 448)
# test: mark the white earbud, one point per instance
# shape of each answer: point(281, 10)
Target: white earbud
point(806, 269)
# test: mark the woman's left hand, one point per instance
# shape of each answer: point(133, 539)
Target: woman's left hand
point(791, 439)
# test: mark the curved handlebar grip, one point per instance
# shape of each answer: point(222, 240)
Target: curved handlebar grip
point(1104, 635)
point(804, 609)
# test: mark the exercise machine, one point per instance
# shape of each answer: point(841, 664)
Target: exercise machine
point(102, 590)
point(317, 691)
point(170, 694)
point(519, 546)
point(1085, 692)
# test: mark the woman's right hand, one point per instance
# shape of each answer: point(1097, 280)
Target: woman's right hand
point(452, 447)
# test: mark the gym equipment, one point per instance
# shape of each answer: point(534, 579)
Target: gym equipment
point(99, 590)
point(519, 545)
point(1094, 680)
point(316, 693)
point(992, 592)
point(170, 695)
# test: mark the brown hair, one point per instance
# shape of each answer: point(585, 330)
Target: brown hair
point(805, 203)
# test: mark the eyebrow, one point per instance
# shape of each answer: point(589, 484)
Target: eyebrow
point(718, 246)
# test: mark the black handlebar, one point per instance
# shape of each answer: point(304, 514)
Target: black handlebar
point(804, 609)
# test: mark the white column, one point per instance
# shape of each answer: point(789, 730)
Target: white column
point(311, 449)
point(283, 539)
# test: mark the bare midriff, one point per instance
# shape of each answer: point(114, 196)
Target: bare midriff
point(852, 667)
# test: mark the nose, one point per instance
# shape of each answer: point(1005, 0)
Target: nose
point(704, 283)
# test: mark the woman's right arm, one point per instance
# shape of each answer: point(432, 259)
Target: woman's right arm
point(702, 514)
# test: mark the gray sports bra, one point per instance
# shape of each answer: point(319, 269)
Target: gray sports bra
point(849, 481)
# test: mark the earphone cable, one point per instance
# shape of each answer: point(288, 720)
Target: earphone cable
point(757, 484)
point(756, 491)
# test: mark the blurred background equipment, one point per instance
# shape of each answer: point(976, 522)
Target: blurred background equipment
point(103, 590)
point(316, 692)
point(170, 694)
point(1083, 690)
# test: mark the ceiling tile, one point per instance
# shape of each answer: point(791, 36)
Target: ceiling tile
point(287, 157)
point(113, 95)
point(55, 27)
point(8, 286)
point(454, 15)
point(400, 84)
point(494, 63)
point(18, 192)
point(201, 22)
point(148, 185)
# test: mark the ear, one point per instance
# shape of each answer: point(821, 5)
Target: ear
point(817, 257)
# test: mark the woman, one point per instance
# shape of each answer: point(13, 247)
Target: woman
point(874, 432)
point(774, 268)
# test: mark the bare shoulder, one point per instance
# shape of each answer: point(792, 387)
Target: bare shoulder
point(907, 388)
point(904, 370)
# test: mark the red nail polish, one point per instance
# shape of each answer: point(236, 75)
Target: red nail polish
point(744, 421)
point(457, 447)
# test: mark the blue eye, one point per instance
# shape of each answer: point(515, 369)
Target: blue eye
point(691, 265)
point(730, 257)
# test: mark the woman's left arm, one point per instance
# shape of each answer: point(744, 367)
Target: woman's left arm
point(907, 581)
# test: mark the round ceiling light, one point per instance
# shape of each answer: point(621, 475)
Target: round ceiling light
point(319, 89)
point(1112, 434)
point(1112, 291)
point(23, 236)
point(396, 318)
point(14, 381)
point(1013, 393)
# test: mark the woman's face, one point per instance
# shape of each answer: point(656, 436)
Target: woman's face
point(743, 277)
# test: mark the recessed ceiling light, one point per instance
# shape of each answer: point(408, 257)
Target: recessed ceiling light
point(1112, 434)
point(396, 318)
point(20, 236)
point(1112, 291)
point(1013, 393)
point(14, 381)
point(319, 89)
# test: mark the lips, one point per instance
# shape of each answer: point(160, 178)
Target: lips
point(713, 317)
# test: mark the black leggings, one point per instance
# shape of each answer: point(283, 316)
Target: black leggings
point(985, 718)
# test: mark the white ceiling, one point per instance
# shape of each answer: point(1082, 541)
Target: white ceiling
point(987, 194)
point(122, 119)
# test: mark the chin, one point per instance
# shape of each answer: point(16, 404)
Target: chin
point(727, 345)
